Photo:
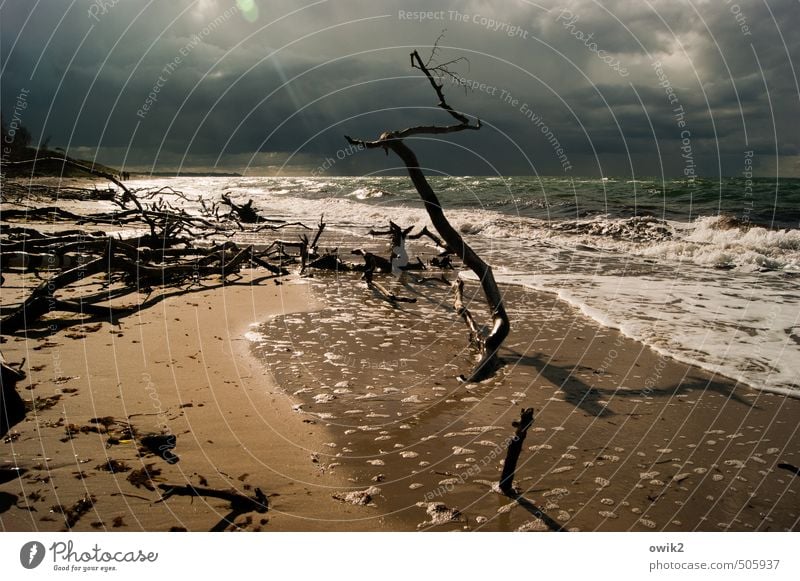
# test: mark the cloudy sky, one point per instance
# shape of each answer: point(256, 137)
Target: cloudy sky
point(623, 87)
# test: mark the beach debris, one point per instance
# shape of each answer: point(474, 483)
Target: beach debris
point(514, 450)
point(358, 497)
point(790, 467)
point(439, 514)
point(12, 407)
point(118, 432)
point(244, 213)
point(165, 254)
point(39, 404)
point(114, 466)
point(239, 503)
point(73, 513)
point(12, 437)
point(144, 477)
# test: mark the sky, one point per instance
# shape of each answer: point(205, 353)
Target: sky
point(637, 88)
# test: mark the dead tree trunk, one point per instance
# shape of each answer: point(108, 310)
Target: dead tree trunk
point(393, 140)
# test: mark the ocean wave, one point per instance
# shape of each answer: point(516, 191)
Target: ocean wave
point(368, 193)
point(710, 241)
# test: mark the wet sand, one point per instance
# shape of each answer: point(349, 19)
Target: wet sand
point(624, 439)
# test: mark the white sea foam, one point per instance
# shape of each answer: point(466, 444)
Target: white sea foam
point(732, 326)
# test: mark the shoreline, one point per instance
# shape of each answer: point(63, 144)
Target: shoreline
point(624, 438)
point(301, 390)
point(238, 427)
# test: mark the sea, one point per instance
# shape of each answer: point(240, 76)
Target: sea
point(704, 271)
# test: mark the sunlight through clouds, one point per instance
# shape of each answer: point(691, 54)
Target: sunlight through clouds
point(249, 9)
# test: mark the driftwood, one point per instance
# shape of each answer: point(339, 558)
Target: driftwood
point(49, 213)
point(41, 299)
point(372, 263)
point(393, 140)
point(514, 450)
point(313, 244)
point(463, 312)
point(331, 261)
point(120, 258)
point(239, 504)
point(244, 212)
point(12, 408)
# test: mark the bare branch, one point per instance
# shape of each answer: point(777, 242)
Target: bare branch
point(460, 117)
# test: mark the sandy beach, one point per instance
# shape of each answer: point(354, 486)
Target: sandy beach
point(181, 367)
point(311, 403)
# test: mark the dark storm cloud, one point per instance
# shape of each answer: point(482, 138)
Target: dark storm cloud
point(159, 84)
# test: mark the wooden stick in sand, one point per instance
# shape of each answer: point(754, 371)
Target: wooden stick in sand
point(514, 450)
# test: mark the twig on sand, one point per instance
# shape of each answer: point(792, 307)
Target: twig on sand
point(240, 504)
